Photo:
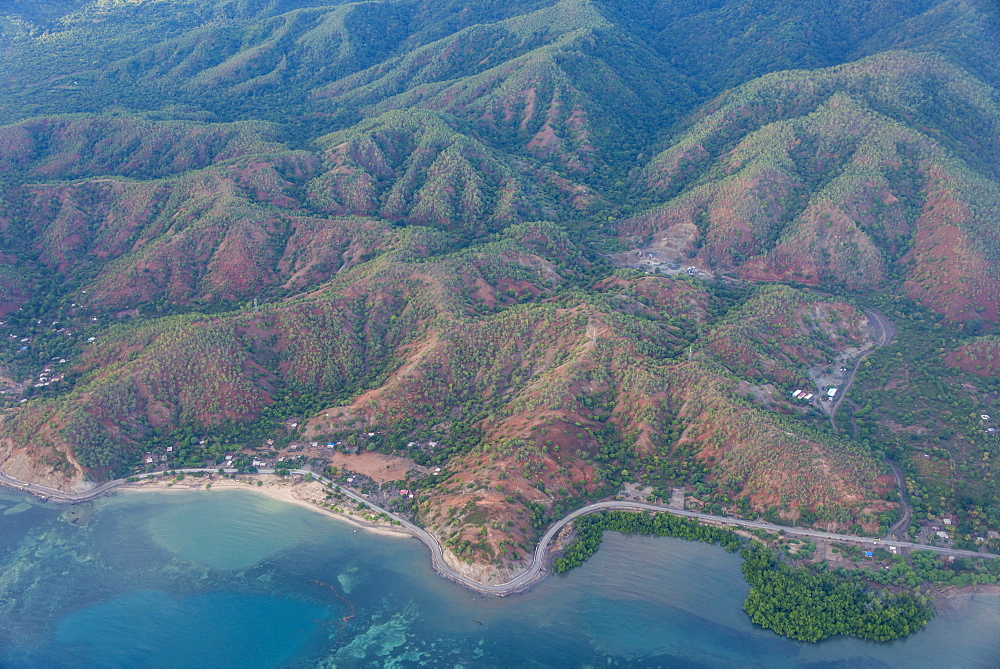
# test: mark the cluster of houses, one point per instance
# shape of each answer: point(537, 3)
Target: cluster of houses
point(942, 533)
point(257, 462)
point(26, 341)
point(891, 549)
point(46, 377)
point(948, 526)
point(803, 395)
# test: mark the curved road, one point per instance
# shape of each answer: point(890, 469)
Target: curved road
point(47, 493)
point(904, 522)
point(883, 331)
point(537, 569)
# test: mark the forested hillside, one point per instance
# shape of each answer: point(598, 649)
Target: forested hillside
point(574, 244)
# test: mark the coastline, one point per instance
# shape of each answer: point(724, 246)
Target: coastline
point(444, 563)
point(333, 552)
point(958, 597)
point(448, 569)
point(281, 489)
point(303, 494)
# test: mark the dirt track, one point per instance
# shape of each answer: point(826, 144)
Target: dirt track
point(883, 331)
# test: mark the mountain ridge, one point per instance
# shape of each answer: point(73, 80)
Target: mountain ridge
point(577, 244)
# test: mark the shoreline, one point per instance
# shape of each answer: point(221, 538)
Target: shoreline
point(276, 488)
point(282, 489)
point(520, 580)
point(957, 597)
point(524, 579)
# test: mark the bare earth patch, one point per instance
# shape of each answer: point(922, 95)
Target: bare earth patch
point(381, 468)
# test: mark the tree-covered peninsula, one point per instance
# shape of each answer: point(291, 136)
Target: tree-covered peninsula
point(793, 601)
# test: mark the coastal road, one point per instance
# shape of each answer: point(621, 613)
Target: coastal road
point(537, 569)
point(58, 495)
point(437, 553)
point(61, 496)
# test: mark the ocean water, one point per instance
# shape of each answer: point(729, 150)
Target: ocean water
point(234, 579)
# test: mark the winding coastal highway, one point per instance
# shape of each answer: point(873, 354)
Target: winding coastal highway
point(883, 331)
point(535, 571)
point(55, 495)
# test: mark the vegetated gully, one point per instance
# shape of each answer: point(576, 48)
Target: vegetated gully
point(535, 571)
point(883, 331)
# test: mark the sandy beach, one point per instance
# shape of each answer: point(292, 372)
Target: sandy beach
point(292, 490)
point(312, 495)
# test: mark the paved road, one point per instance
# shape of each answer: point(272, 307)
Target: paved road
point(755, 524)
point(58, 495)
point(538, 567)
point(437, 555)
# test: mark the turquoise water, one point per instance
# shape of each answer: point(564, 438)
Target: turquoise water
point(232, 578)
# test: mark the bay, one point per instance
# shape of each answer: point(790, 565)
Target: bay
point(233, 578)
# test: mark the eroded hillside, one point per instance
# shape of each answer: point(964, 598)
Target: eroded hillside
point(543, 250)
